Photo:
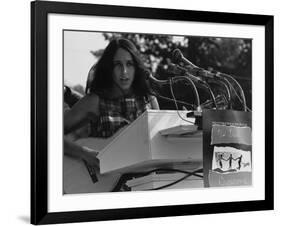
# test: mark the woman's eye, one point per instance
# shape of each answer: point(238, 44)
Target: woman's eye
point(130, 64)
point(117, 64)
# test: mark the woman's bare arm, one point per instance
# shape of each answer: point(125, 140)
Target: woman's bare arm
point(154, 102)
point(85, 109)
point(81, 113)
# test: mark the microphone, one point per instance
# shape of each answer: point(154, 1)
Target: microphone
point(181, 71)
point(188, 72)
point(160, 83)
point(177, 57)
point(203, 73)
point(150, 78)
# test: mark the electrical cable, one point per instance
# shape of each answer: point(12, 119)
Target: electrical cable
point(203, 84)
point(243, 101)
point(166, 82)
point(185, 78)
point(235, 92)
point(129, 176)
point(223, 83)
point(172, 92)
point(212, 95)
point(188, 174)
point(170, 99)
point(209, 102)
point(179, 70)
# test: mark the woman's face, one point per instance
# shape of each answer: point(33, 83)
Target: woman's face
point(123, 69)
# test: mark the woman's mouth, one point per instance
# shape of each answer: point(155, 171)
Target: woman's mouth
point(124, 80)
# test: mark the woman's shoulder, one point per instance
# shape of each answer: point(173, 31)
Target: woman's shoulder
point(92, 97)
point(87, 103)
point(89, 98)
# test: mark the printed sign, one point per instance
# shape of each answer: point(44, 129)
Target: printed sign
point(227, 148)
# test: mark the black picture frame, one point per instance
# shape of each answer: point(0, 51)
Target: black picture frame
point(39, 112)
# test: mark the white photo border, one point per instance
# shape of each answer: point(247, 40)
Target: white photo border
point(57, 202)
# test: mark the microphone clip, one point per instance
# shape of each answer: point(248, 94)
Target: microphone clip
point(198, 118)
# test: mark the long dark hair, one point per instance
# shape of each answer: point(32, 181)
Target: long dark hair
point(102, 72)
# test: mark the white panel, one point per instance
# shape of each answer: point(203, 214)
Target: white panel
point(130, 147)
point(140, 147)
point(173, 149)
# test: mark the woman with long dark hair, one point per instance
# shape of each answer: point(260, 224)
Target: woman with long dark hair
point(115, 97)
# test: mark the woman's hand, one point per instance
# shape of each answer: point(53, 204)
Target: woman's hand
point(81, 152)
point(90, 156)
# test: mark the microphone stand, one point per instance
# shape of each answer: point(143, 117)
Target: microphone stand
point(204, 84)
point(201, 73)
point(176, 69)
point(176, 79)
point(222, 83)
point(198, 111)
point(226, 77)
point(178, 57)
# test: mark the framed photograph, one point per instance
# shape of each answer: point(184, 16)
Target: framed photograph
point(144, 112)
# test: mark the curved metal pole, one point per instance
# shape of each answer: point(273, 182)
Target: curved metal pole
point(166, 82)
point(239, 86)
point(194, 88)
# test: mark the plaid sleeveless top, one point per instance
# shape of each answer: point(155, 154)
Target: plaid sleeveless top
point(116, 113)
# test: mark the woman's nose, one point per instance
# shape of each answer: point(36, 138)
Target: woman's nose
point(124, 69)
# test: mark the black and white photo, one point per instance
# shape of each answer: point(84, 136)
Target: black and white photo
point(112, 79)
point(146, 112)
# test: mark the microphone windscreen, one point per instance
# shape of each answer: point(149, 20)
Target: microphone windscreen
point(147, 74)
point(176, 56)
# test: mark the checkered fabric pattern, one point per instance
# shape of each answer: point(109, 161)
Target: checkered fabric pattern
point(116, 113)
